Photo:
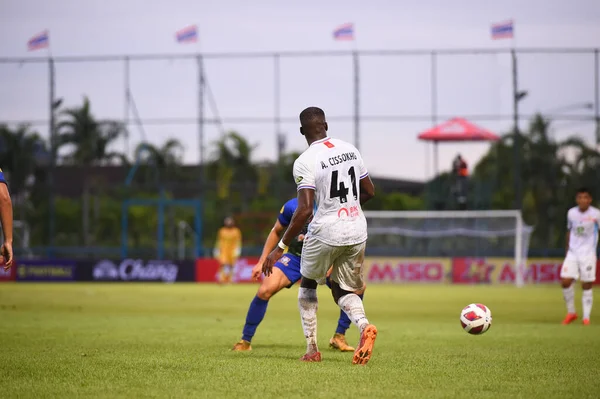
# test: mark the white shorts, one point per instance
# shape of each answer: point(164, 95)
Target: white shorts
point(347, 261)
point(579, 268)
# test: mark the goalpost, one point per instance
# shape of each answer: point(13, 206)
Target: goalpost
point(485, 233)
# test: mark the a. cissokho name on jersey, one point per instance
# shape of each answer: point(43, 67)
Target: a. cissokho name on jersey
point(338, 159)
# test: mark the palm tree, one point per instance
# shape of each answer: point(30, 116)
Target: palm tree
point(23, 158)
point(90, 140)
point(167, 157)
point(232, 162)
point(549, 178)
point(89, 137)
point(169, 154)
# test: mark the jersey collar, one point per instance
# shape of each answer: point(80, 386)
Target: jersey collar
point(320, 141)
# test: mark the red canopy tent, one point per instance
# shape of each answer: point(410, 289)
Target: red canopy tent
point(456, 129)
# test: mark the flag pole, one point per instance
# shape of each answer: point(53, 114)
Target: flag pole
point(201, 88)
point(53, 151)
point(516, 133)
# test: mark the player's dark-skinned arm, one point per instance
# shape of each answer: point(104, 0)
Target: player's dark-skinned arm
point(567, 241)
point(367, 189)
point(6, 218)
point(272, 239)
point(306, 201)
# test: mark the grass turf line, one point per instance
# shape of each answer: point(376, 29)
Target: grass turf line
point(154, 340)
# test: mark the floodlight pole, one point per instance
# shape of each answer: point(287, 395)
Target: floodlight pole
point(53, 154)
point(356, 100)
point(434, 101)
point(597, 94)
point(517, 96)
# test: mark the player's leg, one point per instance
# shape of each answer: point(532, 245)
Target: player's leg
point(346, 279)
point(569, 273)
point(223, 267)
point(315, 260)
point(587, 272)
point(308, 305)
point(270, 286)
point(338, 341)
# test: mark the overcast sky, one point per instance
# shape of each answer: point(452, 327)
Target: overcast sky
point(398, 85)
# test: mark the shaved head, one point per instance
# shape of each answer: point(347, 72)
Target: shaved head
point(310, 115)
point(313, 124)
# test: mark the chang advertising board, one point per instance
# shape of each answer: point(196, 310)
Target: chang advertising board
point(45, 270)
point(407, 270)
point(135, 270)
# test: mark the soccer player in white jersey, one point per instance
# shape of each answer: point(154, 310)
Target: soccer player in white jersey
point(332, 175)
point(583, 222)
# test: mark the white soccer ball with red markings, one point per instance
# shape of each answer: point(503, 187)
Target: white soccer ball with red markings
point(476, 318)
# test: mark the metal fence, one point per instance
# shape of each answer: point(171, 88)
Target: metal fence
point(378, 99)
point(200, 94)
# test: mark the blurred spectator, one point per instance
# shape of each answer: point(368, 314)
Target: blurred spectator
point(461, 174)
point(227, 249)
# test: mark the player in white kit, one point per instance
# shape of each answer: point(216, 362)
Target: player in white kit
point(583, 222)
point(331, 178)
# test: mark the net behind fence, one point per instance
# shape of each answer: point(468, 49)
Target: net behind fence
point(448, 234)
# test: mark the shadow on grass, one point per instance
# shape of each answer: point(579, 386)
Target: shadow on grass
point(292, 352)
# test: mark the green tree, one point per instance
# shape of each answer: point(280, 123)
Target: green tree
point(22, 153)
point(549, 178)
point(24, 157)
point(160, 163)
point(87, 140)
point(232, 163)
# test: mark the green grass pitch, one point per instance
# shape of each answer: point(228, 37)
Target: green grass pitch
point(149, 340)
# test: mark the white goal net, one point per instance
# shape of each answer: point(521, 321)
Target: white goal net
point(450, 234)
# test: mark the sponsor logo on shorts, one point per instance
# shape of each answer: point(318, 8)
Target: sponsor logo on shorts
point(284, 260)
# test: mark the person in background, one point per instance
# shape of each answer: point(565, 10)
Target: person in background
point(461, 173)
point(583, 224)
point(228, 249)
point(6, 218)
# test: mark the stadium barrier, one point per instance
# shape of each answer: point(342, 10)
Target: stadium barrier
point(57, 270)
point(46, 270)
point(207, 270)
point(395, 270)
point(129, 269)
point(8, 275)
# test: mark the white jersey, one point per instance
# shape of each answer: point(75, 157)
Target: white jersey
point(333, 168)
point(583, 231)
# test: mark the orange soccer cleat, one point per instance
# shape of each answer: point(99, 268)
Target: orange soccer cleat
point(313, 357)
point(338, 342)
point(586, 322)
point(242, 346)
point(365, 346)
point(569, 318)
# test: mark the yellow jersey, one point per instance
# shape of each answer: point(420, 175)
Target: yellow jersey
point(229, 244)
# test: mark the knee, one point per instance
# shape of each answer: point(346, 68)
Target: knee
point(566, 282)
point(337, 292)
point(265, 292)
point(361, 291)
point(308, 283)
point(586, 286)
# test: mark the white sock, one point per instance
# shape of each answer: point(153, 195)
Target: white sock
point(352, 305)
point(569, 295)
point(308, 304)
point(587, 298)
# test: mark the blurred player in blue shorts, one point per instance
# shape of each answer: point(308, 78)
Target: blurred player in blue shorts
point(285, 274)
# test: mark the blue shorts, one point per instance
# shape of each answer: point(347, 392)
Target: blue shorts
point(290, 266)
